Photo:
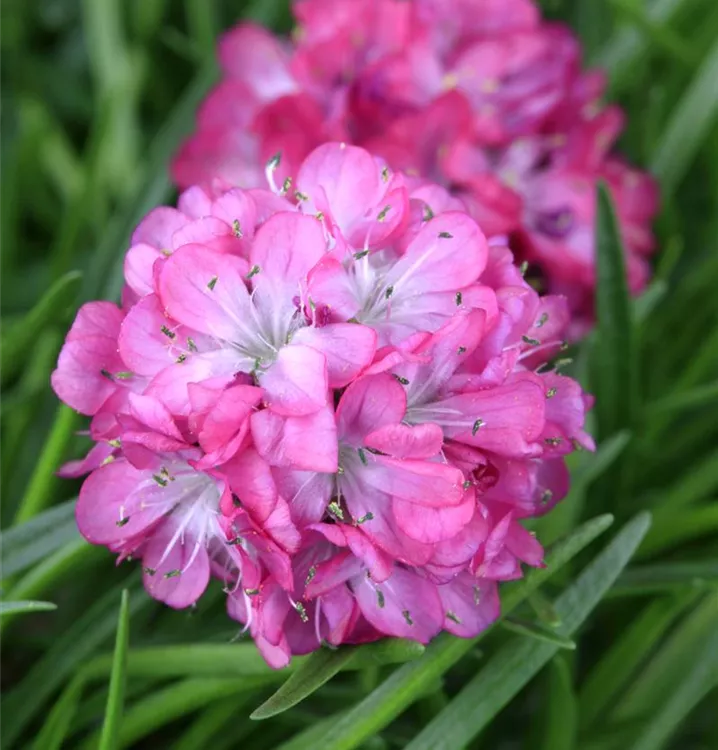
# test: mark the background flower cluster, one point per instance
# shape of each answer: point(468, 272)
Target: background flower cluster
point(481, 96)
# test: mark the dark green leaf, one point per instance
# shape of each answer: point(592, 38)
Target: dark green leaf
point(538, 632)
point(614, 365)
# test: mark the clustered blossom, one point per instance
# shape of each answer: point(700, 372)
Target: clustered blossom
point(480, 96)
point(334, 396)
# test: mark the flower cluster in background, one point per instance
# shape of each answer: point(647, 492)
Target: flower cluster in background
point(480, 96)
point(333, 396)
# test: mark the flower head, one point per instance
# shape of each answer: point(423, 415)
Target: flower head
point(340, 406)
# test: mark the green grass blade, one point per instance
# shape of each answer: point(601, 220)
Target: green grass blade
point(116, 698)
point(319, 668)
point(39, 492)
point(614, 365)
point(621, 661)
point(699, 396)
point(34, 540)
point(17, 339)
point(57, 725)
point(657, 681)
point(60, 661)
point(514, 665)
point(410, 682)
point(236, 660)
point(688, 691)
point(660, 577)
point(16, 608)
point(538, 632)
point(160, 708)
point(671, 529)
point(561, 717)
point(689, 125)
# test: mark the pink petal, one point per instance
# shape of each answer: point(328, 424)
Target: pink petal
point(176, 575)
point(285, 249)
point(307, 443)
point(251, 481)
point(109, 510)
point(405, 606)
point(432, 524)
point(448, 254)
point(347, 347)
point(251, 54)
point(433, 484)
point(307, 492)
point(407, 441)
point(157, 228)
point(206, 291)
point(368, 404)
point(471, 605)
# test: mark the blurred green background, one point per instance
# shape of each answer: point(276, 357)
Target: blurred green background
point(96, 95)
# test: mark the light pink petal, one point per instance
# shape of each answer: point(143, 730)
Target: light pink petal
point(296, 383)
point(96, 457)
point(194, 202)
point(347, 347)
point(170, 385)
point(329, 285)
point(109, 510)
point(407, 441)
point(307, 443)
point(378, 563)
point(178, 574)
point(153, 414)
point(157, 228)
point(345, 180)
point(307, 492)
point(227, 423)
point(511, 417)
point(139, 264)
point(332, 573)
point(206, 291)
point(285, 249)
point(448, 254)
point(251, 54)
point(436, 485)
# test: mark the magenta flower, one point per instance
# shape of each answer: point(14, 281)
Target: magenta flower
point(480, 96)
point(341, 407)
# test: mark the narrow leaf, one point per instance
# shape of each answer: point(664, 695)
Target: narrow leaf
point(17, 339)
point(689, 125)
point(614, 363)
point(622, 660)
point(34, 540)
point(561, 713)
point(60, 661)
point(660, 577)
point(116, 697)
point(54, 731)
point(515, 664)
point(538, 632)
point(321, 666)
point(657, 681)
point(14, 608)
point(692, 685)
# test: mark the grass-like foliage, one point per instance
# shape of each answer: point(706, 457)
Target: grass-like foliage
point(612, 646)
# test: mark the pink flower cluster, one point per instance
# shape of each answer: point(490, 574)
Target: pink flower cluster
point(479, 96)
point(338, 405)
